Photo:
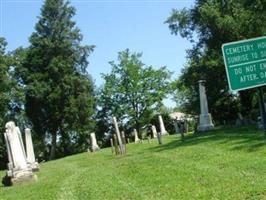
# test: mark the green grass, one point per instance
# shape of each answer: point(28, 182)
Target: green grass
point(227, 163)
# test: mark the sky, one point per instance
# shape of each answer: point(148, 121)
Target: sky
point(112, 26)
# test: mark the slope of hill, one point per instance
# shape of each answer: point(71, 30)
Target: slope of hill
point(227, 163)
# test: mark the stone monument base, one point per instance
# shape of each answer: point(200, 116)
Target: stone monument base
point(93, 149)
point(24, 179)
point(19, 177)
point(205, 123)
point(34, 166)
point(165, 133)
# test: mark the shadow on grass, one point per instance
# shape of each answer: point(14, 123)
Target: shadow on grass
point(236, 138)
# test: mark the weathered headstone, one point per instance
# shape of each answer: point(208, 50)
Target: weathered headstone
point(154, 131)
point(30, 152)
point(112, 145)
point(137, 140)
point(162, 128)
point(117, 149)
point(124, 141)
point(159, 137)
point(176, 125)
point(94, 146)
point(18, 169)
point(205, 119)
point(149, 139)
point(121, 146)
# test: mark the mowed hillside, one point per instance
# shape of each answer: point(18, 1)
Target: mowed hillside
point(227, 163)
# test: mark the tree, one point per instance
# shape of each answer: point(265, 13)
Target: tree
point(133, 90)
point(214, 23)
point(59, 92)
point(4, 98)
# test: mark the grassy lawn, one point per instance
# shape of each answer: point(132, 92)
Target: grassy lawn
point(227, 163)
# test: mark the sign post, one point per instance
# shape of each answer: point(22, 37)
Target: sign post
point(245, 64)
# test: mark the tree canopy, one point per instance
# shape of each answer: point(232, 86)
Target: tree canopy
point(132, 91)
point(59, 91)
point(208, 25)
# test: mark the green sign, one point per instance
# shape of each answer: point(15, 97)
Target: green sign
point(245, 63)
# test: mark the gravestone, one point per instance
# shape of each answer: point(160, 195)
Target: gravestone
point(176, 125)
point(94, 146)
point(162, 128)
point(205, 118)
point(159, 137)
point(18, 169)
point(30, 151)
point(124, 141)
point(121, 146)
point(154, 131)
point(137, 140)
point(117, 149)
point(112, 145)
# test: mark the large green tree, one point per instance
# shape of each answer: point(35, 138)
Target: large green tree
point(132, 91)
point(208, 25)
point(4, 97)
point(11, 96)
point(59, 91)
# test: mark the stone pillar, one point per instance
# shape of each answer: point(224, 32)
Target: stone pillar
point(205, 118)
point(18, 169)
point(94, 146)
point(162, 128)
point(121, 146)
point(154, 131)
point(137, 140)
point(30, 152)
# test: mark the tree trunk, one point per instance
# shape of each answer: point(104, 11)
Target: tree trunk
point(53, 147)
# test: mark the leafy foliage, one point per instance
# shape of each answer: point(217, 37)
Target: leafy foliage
point(59, 91)
point(214, 23)
point(132, 91)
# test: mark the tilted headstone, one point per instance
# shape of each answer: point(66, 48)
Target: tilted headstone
point(94, 146)
point(30, 152)
point(137, 140)
point(18, 169)
point(205, 119)
point(121, 146)
point(162, 128)
point(154, 131)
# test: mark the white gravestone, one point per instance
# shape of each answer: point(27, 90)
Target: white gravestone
point(154, 131)
point(30, 152)
point(137, 140)
point(205, 118)
point(94, 145)
point(18, 169)
point(162, 128)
